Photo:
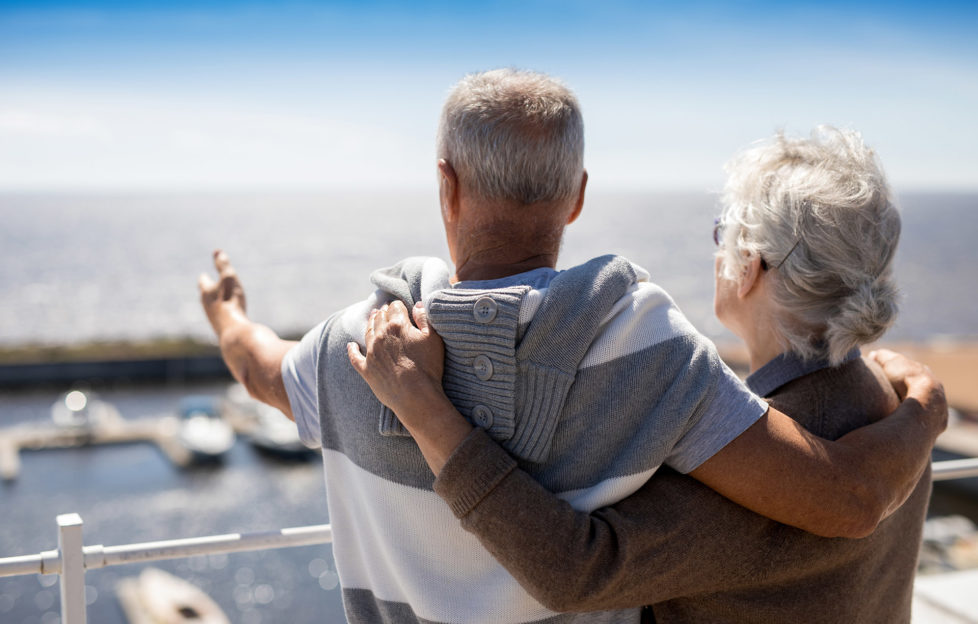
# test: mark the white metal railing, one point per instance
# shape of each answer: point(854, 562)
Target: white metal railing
point(954, 469)
point(72, 558)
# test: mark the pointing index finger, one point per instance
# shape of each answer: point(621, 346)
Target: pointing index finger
point(204, 282)
point(221, 261)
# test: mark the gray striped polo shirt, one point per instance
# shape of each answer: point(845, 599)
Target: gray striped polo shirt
point(591, 377)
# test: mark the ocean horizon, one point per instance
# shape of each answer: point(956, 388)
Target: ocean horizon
point(78, 268)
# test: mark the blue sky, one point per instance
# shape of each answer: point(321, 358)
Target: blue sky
point(231, 95)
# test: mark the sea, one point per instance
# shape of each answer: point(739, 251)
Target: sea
point(81, 268)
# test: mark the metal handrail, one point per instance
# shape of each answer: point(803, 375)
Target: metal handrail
point(72, 559)
point(98, 556)
point(954, 469)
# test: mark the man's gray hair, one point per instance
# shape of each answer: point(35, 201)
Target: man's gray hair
point(513, 135)
point(819, 213)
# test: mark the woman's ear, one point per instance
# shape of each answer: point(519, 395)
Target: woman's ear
point(750, 276)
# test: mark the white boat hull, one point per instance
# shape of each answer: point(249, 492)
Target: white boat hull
point(157, 597)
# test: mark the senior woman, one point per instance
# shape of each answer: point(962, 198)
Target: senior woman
point(806, 240)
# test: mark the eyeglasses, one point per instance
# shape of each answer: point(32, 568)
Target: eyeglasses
point(717, 231)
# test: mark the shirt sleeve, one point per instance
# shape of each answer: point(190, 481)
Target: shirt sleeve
point(299, 373)
point(726, 408)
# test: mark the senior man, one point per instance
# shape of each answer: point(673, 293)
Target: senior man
point(589, 376)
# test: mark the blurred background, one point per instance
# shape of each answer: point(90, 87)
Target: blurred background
point(136, 137)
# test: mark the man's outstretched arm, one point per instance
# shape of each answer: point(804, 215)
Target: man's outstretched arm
point(252, 352)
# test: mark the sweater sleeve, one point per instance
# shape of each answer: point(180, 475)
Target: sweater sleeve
point(637, 552)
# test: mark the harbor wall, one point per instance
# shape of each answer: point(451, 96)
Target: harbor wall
point(174, 369)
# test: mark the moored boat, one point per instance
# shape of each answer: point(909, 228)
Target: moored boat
point(266, 428)
point(80, 409)
point(204, 433)
point(158, 597)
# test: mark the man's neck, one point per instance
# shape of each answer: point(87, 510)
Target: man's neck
point(475, 270)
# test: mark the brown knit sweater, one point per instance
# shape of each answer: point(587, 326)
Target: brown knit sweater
point(690, 553)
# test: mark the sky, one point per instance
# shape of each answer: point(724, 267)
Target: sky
point(206, 95)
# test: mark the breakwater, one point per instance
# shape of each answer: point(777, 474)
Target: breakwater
point(177, 369)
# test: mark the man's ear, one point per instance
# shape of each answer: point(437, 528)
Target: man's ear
point(580, 200)
point(750, 277)
point(447, 191)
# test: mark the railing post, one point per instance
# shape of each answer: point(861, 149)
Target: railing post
point(72, 569)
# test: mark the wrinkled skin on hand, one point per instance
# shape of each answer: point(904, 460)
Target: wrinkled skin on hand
point(403, 363)
point(905, 374)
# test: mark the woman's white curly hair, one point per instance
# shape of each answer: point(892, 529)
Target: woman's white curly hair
point(819, 213)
